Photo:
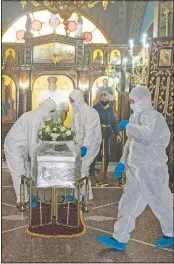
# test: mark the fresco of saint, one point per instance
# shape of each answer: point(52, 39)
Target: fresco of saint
point(8, 103)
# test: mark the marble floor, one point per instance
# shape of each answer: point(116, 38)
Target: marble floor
point(19, 247)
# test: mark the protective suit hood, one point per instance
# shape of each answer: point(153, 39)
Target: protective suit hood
point(141, 97)
point(46, 107)
point(78, 98)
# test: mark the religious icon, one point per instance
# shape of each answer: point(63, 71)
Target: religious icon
point(108, 85)
point(165, 57)
point(98, 56)
point(115, 57)
point(10, 56)
point(54, 52)
point(8, 99)
point(58, 88)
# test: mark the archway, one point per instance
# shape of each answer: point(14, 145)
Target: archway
point(41, 26)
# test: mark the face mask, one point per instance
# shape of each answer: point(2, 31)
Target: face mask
point(136, 107)
point(104, 103)
point(47, 117)
point(75, 105)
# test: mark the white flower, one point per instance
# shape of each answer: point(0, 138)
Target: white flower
point(54, 136)
point(62, 129)
point(68, 133)
point(47, 129)
point(54, 129)
point(40, 133)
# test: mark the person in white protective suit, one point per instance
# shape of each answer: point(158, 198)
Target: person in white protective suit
point(145, 157)
point(21, 141)
point(86, 125)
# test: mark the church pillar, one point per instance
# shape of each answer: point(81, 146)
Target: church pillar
point(24, 92)
point(84, 85)
point(25, 74)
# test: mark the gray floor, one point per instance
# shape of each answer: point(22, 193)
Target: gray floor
point(17, 246)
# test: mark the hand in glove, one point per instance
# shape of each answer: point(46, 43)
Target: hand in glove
point(123, 124)
point(83, 151)
point(119, 170)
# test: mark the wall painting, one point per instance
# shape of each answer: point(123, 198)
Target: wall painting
point(8, 94)
point(115, 57)
point(108, 85)
point(54, 52)
point(58, 88)
point(98, 56)
point(10, 56)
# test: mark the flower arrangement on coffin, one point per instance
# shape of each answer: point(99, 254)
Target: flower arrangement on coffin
point(55, 132)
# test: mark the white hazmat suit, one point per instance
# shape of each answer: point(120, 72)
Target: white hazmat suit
point(86, 125)
point(147, 172)
point(21, 141)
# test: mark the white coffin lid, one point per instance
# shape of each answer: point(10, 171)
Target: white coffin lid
point(55, 158)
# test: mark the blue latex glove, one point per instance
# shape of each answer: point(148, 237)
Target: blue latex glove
point(83, 151)
point(119, 170)
point(69, 197)
point(33, 204)
point(35, 198)
point(123, 124)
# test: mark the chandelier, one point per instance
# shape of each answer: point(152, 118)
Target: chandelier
point(134, 66)
point(66, 8)
point(139, 64)
point(61, 7)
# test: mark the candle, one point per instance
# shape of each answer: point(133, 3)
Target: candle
point(146, 47)
point(125, 62)
point(133, 65)
point(131, 42)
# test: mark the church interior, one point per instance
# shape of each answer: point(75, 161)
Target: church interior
point(50, 49)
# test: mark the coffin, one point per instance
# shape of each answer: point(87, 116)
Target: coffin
point(56, 164)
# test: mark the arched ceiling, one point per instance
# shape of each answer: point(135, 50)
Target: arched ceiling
point(120, 22)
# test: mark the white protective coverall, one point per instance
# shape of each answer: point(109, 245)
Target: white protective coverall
point(147, 172)
point(86, 125)
point(21, 141)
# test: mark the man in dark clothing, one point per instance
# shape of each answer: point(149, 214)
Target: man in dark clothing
point(106, 118)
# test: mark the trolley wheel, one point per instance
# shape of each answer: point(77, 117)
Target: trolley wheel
point(61, 199)
point(86, 207)
point(22, 207)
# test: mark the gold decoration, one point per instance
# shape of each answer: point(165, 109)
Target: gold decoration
point(66, 6)
point(105, 4)
point(166, 13)
point(139, 76)
point(35, 3)
point(109, 70)
point(161, 81)
point(23, 3)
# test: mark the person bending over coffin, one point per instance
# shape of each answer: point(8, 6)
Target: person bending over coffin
point(86, 125)
point(21, 141)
